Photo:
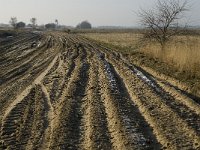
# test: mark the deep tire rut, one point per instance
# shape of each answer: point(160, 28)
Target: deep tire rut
point(169, 128)
point(127, 126)
point(95, 120)
point(63, 91)
point(70, 108)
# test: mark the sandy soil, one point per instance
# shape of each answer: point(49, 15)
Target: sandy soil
point(66, 92)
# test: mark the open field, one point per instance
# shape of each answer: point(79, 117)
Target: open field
point(124, 39)
point(180, 60)
point(182, 52)
point(62, 91)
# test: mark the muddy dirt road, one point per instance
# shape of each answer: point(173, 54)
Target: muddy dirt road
point(61, 91)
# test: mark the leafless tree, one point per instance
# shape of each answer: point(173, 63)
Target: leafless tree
point(13, 21)
point(56, 21)
point(33, 22)
point(163, 21)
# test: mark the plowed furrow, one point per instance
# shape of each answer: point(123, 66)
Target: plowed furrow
point(22, 71)
point(16, 128)
point(30, 58)
point(189, 112)
point(128, 128)
point(171, 130)
point(189, 100)
point(67, 131)
point(60, 81)
point(17, 43)
point(96, 135)
point(62, 91)
point(54, 67)
point(6, 105)
point(43, 115)
point(50, 115)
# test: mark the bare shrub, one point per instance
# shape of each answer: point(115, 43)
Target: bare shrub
point(163, 21)
point(13, 21)
point(33, 22)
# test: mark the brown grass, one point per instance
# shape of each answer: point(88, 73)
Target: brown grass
point(123, 40)
point(182, 52)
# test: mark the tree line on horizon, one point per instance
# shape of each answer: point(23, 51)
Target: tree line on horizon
point(160, 23)
point(33, 24)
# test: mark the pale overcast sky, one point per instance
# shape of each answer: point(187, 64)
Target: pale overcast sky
point(71, 12)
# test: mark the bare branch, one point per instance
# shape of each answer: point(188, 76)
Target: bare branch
point(162, 21)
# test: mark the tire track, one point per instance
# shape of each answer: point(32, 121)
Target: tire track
point(188, 111)
point(59, 83)
point(16, 127)
point(96, 135)
point(171, 130)
point(21, 96)
point(181, 97)
point(128, 128)
point(89, 97)
point(51, 117)
point(43, 120)
point(184, 106)
point(18, 84)
point(70, 109)
point(40, 120)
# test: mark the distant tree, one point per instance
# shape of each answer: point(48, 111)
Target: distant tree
point(41, 26)
point(33, 22)
point(56, 21)
point(29, 25)
point(162, 21)
point(20, 25)
point(13, 21)
point(78, 26)
point(68, 31)
point(84, 25)
point(50, 26)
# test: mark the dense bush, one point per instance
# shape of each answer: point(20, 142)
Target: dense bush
point(84, 25)
point(20, 25)
point(50, 26)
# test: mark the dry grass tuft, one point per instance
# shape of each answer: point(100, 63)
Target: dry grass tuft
point(183, 52)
